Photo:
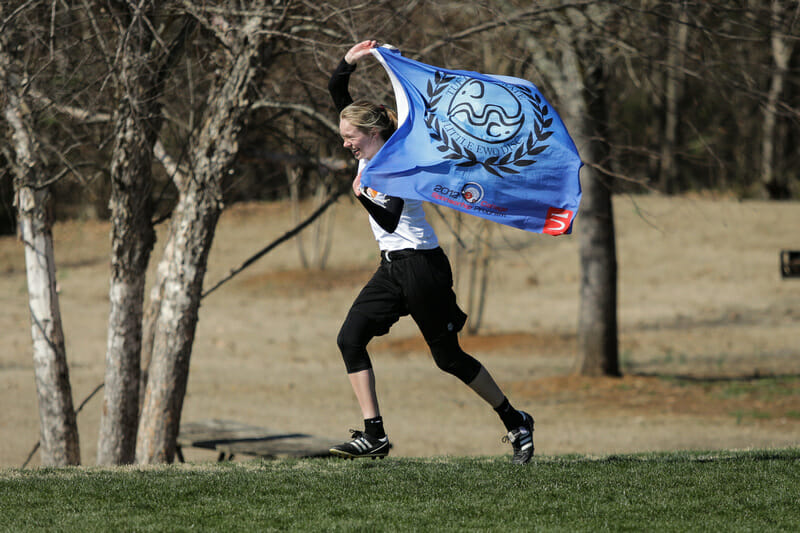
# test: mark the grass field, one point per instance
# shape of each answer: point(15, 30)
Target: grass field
point(685, 491)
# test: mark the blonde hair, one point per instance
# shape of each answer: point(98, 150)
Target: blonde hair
point(365, 115)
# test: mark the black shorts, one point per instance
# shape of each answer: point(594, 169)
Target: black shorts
point(411, 282)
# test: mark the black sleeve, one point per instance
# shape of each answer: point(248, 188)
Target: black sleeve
point(386, 216)
point(337, 85)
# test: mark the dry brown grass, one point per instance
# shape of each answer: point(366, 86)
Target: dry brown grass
point(705, 321)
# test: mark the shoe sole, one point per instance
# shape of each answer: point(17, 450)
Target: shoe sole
point(522, 461)
point(344, 455)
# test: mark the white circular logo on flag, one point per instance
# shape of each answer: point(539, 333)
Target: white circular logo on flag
point(472, 192)
point(498, 126)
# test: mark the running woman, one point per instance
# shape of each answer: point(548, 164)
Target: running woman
point(414, 278)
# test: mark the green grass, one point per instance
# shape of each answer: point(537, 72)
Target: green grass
point(750, 414)
point(764, 388)
point(684, 491)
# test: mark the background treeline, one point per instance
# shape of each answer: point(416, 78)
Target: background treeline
point(700, 95)
point(146, 111)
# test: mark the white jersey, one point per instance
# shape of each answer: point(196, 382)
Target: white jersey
point(413, 229)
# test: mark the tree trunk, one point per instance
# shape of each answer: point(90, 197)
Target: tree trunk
point(775, 187)
point(668, 169)
point(136, 125)
point(192, 229)
point(152, 313)
point(143, 69)
point(180, 179)
point(479, 277)
point(59, 443)
point(580, 83)
point(597, 320)
point(194, 222)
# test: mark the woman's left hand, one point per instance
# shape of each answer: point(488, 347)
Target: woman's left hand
point(359, 50)
point(357, 184)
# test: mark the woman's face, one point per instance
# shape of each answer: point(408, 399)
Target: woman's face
point(362, 145)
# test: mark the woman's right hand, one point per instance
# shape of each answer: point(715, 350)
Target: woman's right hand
point(358, 51)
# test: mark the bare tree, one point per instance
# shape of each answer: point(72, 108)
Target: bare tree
point(314, 253)
point(782, 46)
point(144, 60)
point(573, 61)
point(598, 343)
point(59, 432)
point(132, 235)
point(195, 217)
point(479, 277)
point(673, 82)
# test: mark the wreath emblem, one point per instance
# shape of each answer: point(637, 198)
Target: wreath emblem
point(498, 165)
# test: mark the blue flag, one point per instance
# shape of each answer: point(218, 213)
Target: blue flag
point(490, 146)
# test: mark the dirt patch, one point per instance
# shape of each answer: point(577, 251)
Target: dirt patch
point(510, 343)
point(299, 282)
point(708, 334)
point(752, 398)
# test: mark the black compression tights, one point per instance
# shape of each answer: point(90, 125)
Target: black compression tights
point(447, 353)
point(452, 359)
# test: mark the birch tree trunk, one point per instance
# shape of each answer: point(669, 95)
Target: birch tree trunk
point(194, 222)
point(132, 237)
point(153, 308)
point(59, 444)
point(597, 316)
point(144, 65)
point(192, 230)
point(152, 313)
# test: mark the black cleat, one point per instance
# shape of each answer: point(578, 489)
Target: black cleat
point(521, 440)
point(362, 445)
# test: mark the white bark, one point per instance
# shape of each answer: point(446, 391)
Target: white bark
point(194, 223)
point(192, 230)
point(59, 443)
point(136, 123)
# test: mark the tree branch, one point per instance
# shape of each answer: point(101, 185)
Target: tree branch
point(513, 18)
point(306, 110)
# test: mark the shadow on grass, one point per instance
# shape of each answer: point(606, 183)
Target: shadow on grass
point(755, 376)
point(789, 455)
